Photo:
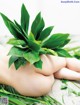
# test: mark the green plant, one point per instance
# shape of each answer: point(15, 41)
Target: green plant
point(17, 99)
point(28, 46)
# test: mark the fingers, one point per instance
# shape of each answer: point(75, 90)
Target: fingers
point(51, 64)
point(73, 64)
point(65, 73)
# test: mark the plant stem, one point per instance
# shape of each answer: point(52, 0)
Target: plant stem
point(76, 85)
point(72, 49)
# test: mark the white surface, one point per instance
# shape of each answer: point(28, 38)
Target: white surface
point(69, 99)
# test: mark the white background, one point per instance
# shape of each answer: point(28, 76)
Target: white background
point(64, 16)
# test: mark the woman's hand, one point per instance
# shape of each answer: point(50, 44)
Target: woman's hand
point(51, 64)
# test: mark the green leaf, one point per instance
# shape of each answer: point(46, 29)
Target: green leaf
point(78, 93)
point(19, 27)
point(64, 81)
point(15, 42)
point(12, 59)
point(11, 26)
point(77, 54)
point(24, 18)
point(24, 34)
point(6, 20)
point(34, 45)
point(19, 62)
point(45, 33)
point(31, 57)
point(64, 87)
point(15, 51)
point(38, 64)
point(63, 53)
point(15, 32)
point(37, 25)
point(55, 40)
point(31, 37)
point(66, 42)
point(74, 92)
point(40, 28)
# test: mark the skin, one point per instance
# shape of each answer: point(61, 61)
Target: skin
point(31, 81)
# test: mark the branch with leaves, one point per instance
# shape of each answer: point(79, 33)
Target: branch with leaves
point(28, 46)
